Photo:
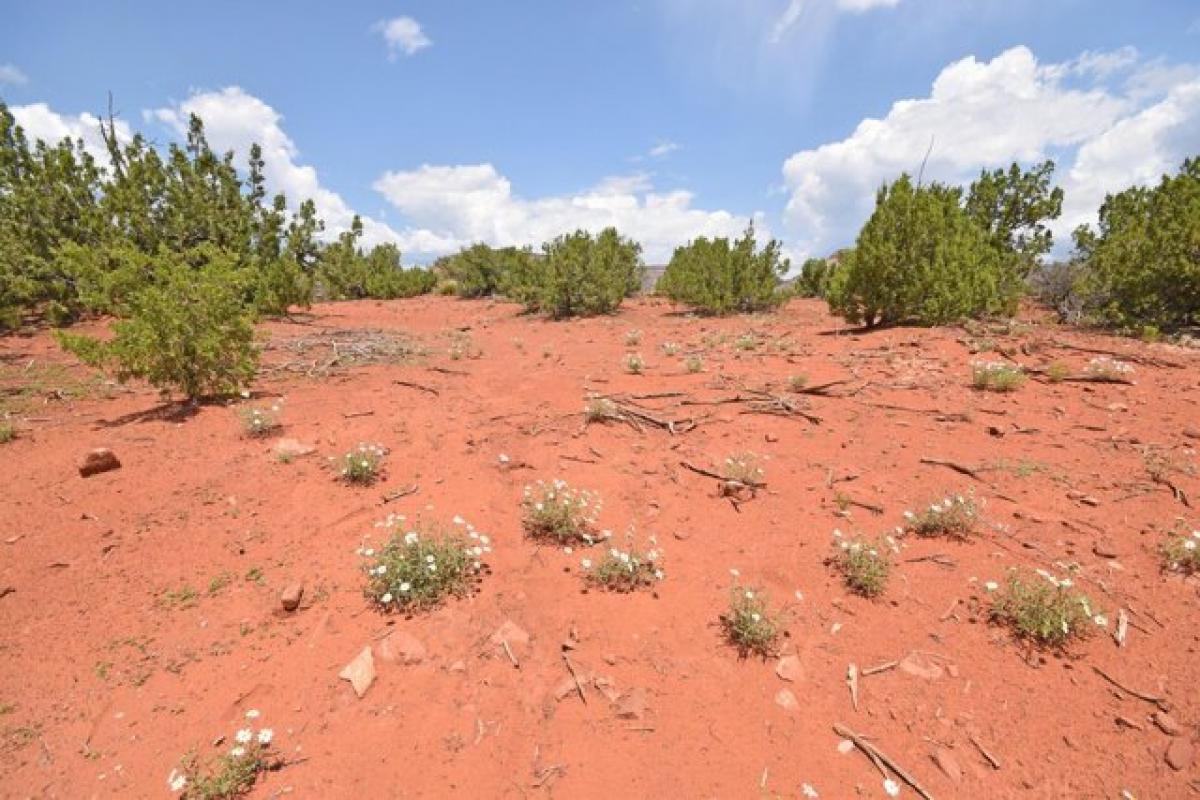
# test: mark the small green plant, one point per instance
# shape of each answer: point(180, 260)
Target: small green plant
point(954, 516)
point(670, 348)
point(1108, 370)
point(693, 364)
point(183, 597)
point(625, 570)
point(743, 468)
point(865, 565)
point(798, 383)
point(749, 624)
point(634, 364)
point(600, 409)
point(996, 376)
point(255, 575)
point(231, 774)
point(1043, 609)
point(362, 465)
point(419, 566)
point(219, 582)
point(633, 338)
point(746, 342)
point(1182, 553)
point(1057, 372)
point(7, 432)
point(581, 274)
point(719, 277)
point(556, 512)
point(261, 421)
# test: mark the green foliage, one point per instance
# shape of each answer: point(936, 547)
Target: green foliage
point(717, 277)
point(1044, 609)
point(361, 466)
point(579, 275)
point(1181, 553)
point(1012, 206)
point(814, 277)
point(864, 565)
point(1142, 265)
point(749, 624)
point(419, 567)
point(996, 376)
point(557, 513)
point(952, 516)
point(187, 330)
point(344, 272)
point(482, 271)
point(625, 570)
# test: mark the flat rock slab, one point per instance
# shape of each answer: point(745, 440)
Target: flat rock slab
point(292, 448)
point(786, 700)
point(360, 672)
point(789, 669)
point(920, 666)
point(403, 648)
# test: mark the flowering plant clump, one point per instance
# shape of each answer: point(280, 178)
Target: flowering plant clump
point(556, 512)
point(625, 570)
point(1103, 368)
point(743, 468)
point(749, 624)
point(1044, 609)
point(261, 420)
point(419, 566)
point(955, 516)
point(1057, 372)
point(1182, 553)
point(600, 409)
point(230, 774)
point(865, 565)
point(633, 337)
point(361, 465)
point(747, 341)
point(670, 348)
point(996, 376)
point(693, 364)
point(634, 364)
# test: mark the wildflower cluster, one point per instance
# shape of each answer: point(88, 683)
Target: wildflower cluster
point(1043, 608)
point(743, 468)
point(749, 624)
point(634, 364)
point(625, 570)
point(261, 420)
point(954, 516)
point(1057, 372)
point(670, 348)
point(693, 364)
point(996, 376)
point(1182, 553)
point(864, 564)
point(419, 566)
point(747, 341)
point(361, 465)
point(230, 774)
point(556, 512)
point(1103, 368)
point(633, 338)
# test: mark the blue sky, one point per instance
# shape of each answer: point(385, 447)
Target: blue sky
point(509, 122)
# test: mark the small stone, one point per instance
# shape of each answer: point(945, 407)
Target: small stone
point(682, 535)
point(457, 667)
point(786, 700)
point(789, 669)
point(1167, 724)
point(948, 764)
point(632, 704)
point(402, 647)
point(770, 437)
point(292, 448)
point(1180, 753)
point(98, 460)
point(360, 672)
point(290, 597)
point(510, 632)
point(845, 746)
point(607, 687)
point(1105, 548)
point(919, 666)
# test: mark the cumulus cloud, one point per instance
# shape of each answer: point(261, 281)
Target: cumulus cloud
point(449, 207)
point(983, 114)
point(11, 75)
point(41, 122)
point(402, 35)
point(234, 120)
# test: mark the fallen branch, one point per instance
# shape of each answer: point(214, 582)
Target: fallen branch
point(1161, 702)
point(575, 677)
point(962, 469)
point(991, 759)
point(389, 497)
point(877, 756)
point(709, 474)
point(884, 667)
point(420, 386)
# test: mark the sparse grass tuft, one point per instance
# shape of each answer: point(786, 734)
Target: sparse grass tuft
point(1043, 609)
point(557, 513)
point(1103, 368)
point(747, 342)
point(693, 364)
point(633, 338)
point(1057, 372)
point(7, 432)
point(420, 566)
point(749, 623)
point(361, 466)
point(261, 421)
point(743, 468)
point(996, 376)
point(953, 516)
point(625, 570)
point(600, 409)
point(865, 565)
point(230, 774)
point(670, 348)
point(798, 382)
point(1182, 553)
point(634, 364)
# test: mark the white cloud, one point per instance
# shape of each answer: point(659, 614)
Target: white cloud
point(453, 206)
point(402, 35)
point(795, 9)
point(987, 113)
point(858, 6)
point(233, 120)
point(42, 122)
point(11, 75)
point(664, 148)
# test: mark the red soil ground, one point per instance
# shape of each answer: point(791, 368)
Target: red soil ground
point(110, 671)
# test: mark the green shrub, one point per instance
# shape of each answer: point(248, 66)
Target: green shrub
point(864, 565)
point(580, 275)
point(557, 513)
point(1181, 553)
point(261, 421)
point(188, 331)
point(361, 466)
point(420, 566)
point(8, 432)
point(814, 278)
point(634, 364)
point(1044, 609)
point(996, 376)
point(625, 570)
point(481, 271)
point(1142, 265)
point(955, 517)
point(716, 277)
point(749, 624)
point(231, 774)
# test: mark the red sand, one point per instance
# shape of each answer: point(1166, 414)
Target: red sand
point(106, 682)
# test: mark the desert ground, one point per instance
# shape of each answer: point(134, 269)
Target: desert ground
point(142, 616)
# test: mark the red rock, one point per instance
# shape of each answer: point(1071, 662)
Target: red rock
point(360, 672)
point(402, 647)
point(1167, 724)
point(99, 460)
point(510, 632)
point(790, 669)
point(786, 700)
point(632, 704)
point(1180, 753)
point(292, 448)
point(948, 764)
point(290, 597)
point(921, 666)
